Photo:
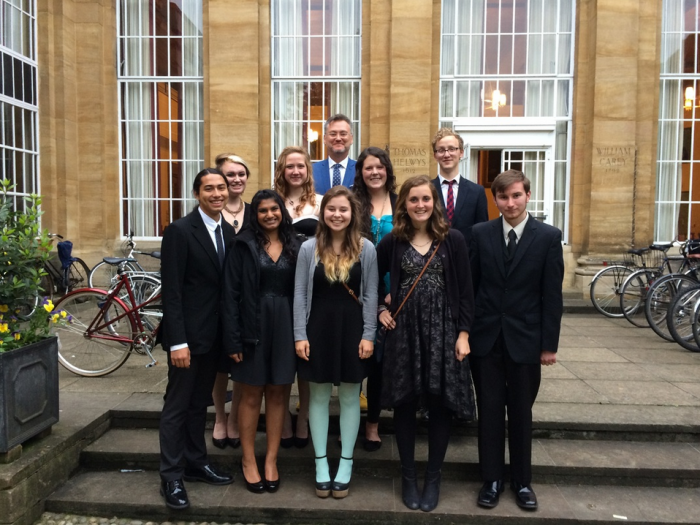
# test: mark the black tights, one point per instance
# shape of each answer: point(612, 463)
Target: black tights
point(374, 390)
point(439, 426)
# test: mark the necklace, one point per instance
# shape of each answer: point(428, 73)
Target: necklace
point(235, 213)
point(416, 246)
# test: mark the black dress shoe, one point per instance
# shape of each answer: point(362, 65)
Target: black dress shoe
point(287, 442)
point(219, 443)
point(257, 487)
point(489, 493)
point(207, 474)
point(233, 442)
point(409, 488)
point(271, 486)
point(175, 494)
point(371, 446)
point(431, 491)
point(524, 496)
point(301, 442)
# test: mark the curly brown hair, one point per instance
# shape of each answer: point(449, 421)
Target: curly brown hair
point(308, 193)
point(403, 227)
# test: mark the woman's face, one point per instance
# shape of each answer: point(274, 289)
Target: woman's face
point(236, 176)
point(373, 173)
point(337, 213)
point(295, 172)
point(419, 205)
point(269, 215)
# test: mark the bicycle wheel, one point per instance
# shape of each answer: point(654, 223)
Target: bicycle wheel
point(48, 286)
point(145, 287)
point(633, 296)
point(696, 323)
point(93, 353)
point(103, 275)
point(680, 318)
point(77, 276)
point(659, 298)
point(605, 289)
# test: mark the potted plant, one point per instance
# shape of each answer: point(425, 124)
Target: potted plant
point(28, 350)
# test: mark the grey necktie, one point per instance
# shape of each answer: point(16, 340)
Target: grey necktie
point(336, 175)
point(219, 245)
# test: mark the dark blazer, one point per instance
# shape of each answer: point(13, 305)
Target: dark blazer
point(192, 282)
point(322, 176)
point(471, 207)
point(458, 281)
point(525, 304)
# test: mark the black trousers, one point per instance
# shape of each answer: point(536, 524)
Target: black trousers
point(502, 384)
point(374, 389)
point(184, 415)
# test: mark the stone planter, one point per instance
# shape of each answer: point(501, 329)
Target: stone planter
point(28, 392)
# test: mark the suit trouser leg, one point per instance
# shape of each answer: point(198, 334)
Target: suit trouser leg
point(184, 415)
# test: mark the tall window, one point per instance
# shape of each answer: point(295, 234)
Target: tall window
point(161, 110)
point(678, 163)
point(19, 148)
point(512, 59)
point(315, 70)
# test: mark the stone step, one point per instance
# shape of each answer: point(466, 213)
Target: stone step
point(554, 460)
point(372, 499)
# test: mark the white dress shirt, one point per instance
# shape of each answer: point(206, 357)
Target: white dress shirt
point(519, 229)
point(343, 165)
point(445, 187)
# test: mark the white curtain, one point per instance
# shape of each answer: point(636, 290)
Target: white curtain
point(541, 58)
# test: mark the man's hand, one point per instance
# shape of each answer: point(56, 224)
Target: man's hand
point(366, 348)
point(236, 357)
point(548, 358)
point(181, 358)
point(302, 349)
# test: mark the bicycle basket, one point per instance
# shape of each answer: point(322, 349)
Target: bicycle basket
point(64, 253)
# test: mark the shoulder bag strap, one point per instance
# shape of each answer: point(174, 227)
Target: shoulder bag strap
point(415, 282)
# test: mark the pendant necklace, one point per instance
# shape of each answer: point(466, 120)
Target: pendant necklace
point(235, 214)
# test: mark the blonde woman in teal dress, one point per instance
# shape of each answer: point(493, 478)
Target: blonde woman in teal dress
point(374, 187)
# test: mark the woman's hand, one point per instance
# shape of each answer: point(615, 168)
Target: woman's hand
point(302, 349)
point(237, 357)
point(366, 348)
point(386, 320)
point(462, 346)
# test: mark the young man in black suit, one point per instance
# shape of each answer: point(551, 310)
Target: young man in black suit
point(463, 201)
point(193, 251)
point(517, 270)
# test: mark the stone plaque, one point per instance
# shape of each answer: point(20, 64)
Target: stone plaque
point(409, 161)
point(614, 160)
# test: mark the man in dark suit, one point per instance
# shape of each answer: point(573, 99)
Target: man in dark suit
point(517, 269)
point(463, 201)
point(193, 252)
point(338, 168)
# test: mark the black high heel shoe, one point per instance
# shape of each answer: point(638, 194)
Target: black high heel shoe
point(219, 443)
point(323, 488)
point(256, 488)
point(271, 486)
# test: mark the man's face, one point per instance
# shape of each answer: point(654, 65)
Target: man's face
point(512, 203)
point(338, 138)
point(212, 195)
point(448, 160)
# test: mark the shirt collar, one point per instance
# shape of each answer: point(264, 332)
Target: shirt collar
point(519, 229)
point(343, 163)
point(443, 179)
point(210, 223)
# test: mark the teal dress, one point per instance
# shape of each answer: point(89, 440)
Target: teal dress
point(380, 227)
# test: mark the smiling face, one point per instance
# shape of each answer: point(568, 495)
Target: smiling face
point(512, 203)
point(212, 195)
point(419, 205)
point(373, 173)
point(269, 215)
point(448, 160)
point(236, 176)
point(295, 172)
point(338, 139)
point(337, 213)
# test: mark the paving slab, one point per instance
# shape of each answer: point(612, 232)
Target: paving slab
point(643, 393)
point(594, 353)
point(612, 371)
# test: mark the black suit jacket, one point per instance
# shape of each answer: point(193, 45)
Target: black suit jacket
point(192, 282)
point(525, 303)
point(470, 209)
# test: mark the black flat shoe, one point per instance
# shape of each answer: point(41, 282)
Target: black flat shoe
point(301, 442)
point(287, 442)
point(489, 493)
point(175, 494)
point(524, 496)
point(271, 486)
point(256, 488)
point(233, 442)
point(208, 474)
point(371, 446)
point(219, 443)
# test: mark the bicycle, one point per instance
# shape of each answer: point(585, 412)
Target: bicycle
point(680, 318)
point(104, 329)
point(605, 288)
point(104, 274)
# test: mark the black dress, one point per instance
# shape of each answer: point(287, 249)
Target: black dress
point(419, 355)
point(273, 362)
point(334, 331)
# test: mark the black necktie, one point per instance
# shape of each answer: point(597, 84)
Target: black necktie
point(512, 244)
point(219, 245)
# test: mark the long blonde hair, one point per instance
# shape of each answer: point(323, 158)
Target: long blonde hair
point(308, 194)
point(337, 269)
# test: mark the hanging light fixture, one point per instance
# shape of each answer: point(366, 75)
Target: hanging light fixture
point(498, 99)
point(689, 98)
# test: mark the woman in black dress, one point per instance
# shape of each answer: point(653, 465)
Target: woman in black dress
point(335, 320)
point(426, 345)
point(258, 330)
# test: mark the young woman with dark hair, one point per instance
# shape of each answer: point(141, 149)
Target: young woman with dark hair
point(428, 340)
point(258, 328)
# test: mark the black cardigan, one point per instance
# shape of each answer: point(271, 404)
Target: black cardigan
point(240, 298)
point(458, 278)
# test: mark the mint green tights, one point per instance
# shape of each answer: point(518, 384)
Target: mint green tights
point(349, 397)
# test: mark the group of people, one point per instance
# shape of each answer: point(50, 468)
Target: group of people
point(333, 278)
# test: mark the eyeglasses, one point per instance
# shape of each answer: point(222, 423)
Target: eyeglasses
point(342, 134)
point(442, 151)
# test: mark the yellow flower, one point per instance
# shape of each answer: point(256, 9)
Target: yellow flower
point(3, 328)
point(54, 318)
point(4, 308)
point(17, 336)
point(63, 314)
point(48, 306)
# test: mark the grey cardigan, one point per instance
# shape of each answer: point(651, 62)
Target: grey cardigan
point(304, 284)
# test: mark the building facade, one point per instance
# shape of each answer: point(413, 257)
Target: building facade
point(122, 102)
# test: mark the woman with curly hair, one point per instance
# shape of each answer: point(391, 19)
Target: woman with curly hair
point(335, 320)
point(258, 328)
point(428, 340)
point(295, 184)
